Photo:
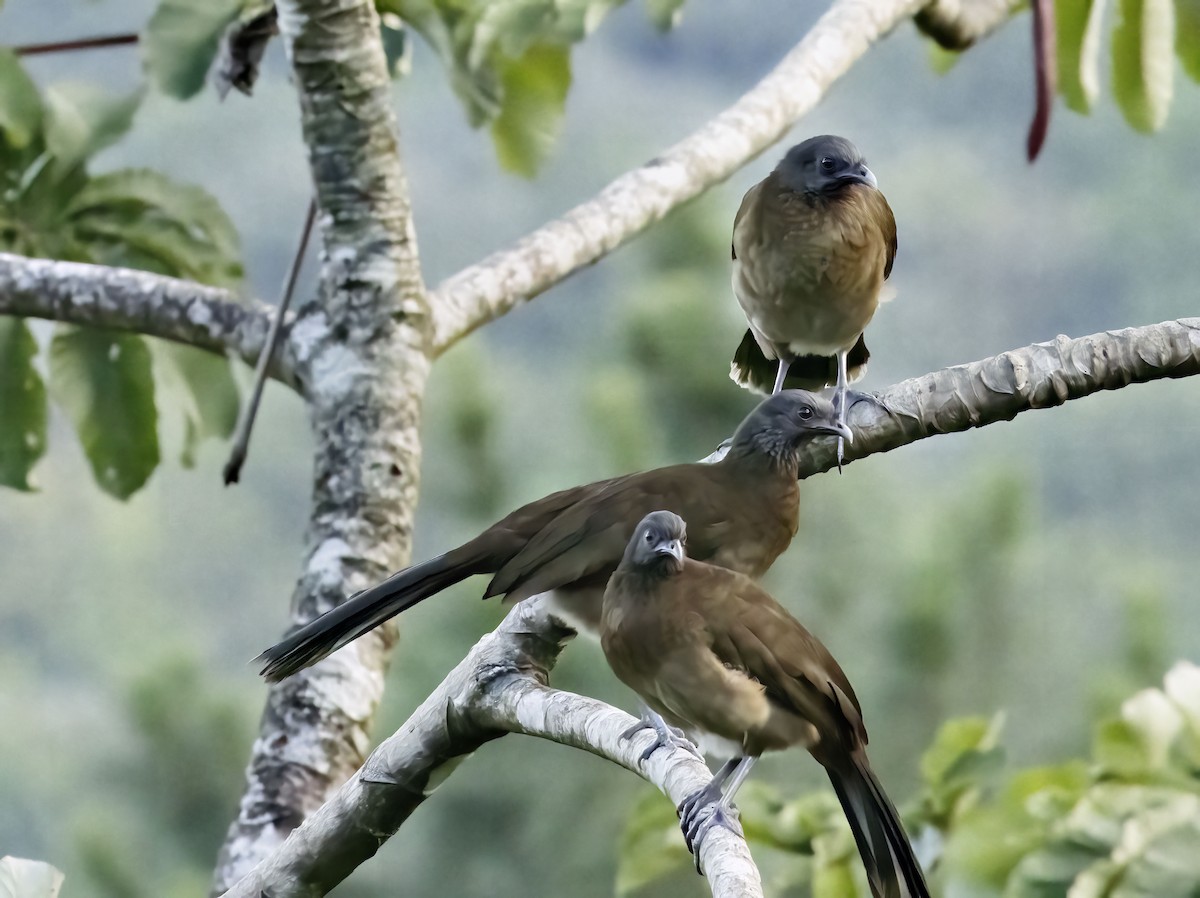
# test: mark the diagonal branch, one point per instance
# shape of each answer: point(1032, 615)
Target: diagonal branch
point(498, 688)
point(637, 199)
point(141, 302)
point(501, 685)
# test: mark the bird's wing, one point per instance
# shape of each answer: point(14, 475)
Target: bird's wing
point(748, 206)
point(759, 637)
point(588, 536)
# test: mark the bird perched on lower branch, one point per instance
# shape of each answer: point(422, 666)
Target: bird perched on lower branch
point(717, 656)
point(813, 243)
point(744, 510)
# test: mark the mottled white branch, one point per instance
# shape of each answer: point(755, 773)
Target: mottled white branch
point(1042, 375)
point(141, 302)
point(639, 198)
point(499, 687)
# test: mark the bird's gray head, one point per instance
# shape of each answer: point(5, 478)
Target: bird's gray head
point(657, 543)
point(824, 165)
point(781, 424)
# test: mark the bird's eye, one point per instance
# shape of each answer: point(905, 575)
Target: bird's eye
point(649, 536)
point(805, 412)
point(827, 163)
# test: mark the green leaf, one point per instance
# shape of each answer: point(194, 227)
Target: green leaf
point(20, 104)
point(665, 14)
point(22, 405)
point(1143, 64)
point(82, 120)
point(535, 90)
point(1078, 29)
point(955, 741)
point(179, 225)
point(202, 388)
point(102, 380)
point(21, 878)
point(181, 40)
point(651, 845)
point(1187, 36)
point(397, 47)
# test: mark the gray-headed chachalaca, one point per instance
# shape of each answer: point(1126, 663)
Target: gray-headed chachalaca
point(715, 655)
point(813, 243)
point(744, 510)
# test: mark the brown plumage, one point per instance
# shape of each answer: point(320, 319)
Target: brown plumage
point(717, 656)
point(744, 508)
point(813, 243)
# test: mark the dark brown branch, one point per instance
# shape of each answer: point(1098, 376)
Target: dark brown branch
point(241, 440)
point(87, 43)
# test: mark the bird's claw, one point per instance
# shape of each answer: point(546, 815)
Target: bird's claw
point(666, 736)
point(699, 813)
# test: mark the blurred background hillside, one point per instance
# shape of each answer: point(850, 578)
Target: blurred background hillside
point(1045, 567)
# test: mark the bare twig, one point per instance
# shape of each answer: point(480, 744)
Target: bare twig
point(87, 43)
point(241, 440)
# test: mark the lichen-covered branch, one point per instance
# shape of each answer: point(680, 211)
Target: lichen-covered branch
point(500, 687)
point(711, 154)
point(361, 353)
point(999, 388)
point(141, 302)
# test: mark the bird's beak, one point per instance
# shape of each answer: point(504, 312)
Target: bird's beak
point(672, 547)
point(862, 175)
point(836, 428)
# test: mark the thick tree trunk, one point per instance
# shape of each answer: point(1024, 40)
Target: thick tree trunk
point(361, 355)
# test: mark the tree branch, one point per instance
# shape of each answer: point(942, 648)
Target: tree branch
point(639, 198)
point(501, 686)
point(141, 302)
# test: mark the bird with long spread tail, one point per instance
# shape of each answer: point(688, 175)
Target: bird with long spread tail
point(813, 243)
point(715, 655)
point(744, 509)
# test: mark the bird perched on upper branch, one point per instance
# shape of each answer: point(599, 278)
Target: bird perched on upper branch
point(813, 243)
point(744, 510)
point(715, 655)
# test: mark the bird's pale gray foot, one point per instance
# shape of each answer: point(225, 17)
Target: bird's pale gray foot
point(839, 401)
point(781, 374)
point(713, 805)
point(667, 735)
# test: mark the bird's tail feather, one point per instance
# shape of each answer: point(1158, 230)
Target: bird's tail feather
point(362, 612)
point(892, 868)
point(753, 370)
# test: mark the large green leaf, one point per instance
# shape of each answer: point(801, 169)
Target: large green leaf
point(665, 14)
point(1143, 62)
point(22, 405)
point(82, 120)
point(20, 105)
point(1187, 36)
point(181, 40)
point(1078, 29)
point(102, 380)
point(156, 218)
point(202, 388)
point(21, 878)
point(529, 123)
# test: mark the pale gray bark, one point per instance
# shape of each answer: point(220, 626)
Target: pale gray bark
point(361, 354)
point(637, 199)
point(501, 686)
point(142, 302)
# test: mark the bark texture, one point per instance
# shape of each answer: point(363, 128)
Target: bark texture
point(361, 355)
point(142, 302)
